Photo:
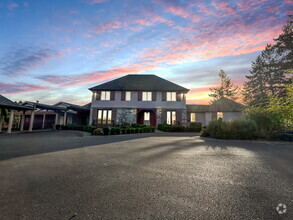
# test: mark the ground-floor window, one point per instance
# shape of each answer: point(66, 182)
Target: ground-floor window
point(219, 115)
point(104, 117)
point(192, 117)
point(171, 117)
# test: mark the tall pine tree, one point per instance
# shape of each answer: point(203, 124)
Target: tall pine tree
point(268, 76)
point(226, 88)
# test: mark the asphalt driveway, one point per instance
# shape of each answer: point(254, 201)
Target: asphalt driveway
point(68, 174)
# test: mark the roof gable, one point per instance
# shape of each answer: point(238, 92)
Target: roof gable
point(134, 82)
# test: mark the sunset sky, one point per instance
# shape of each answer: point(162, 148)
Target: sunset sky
point(54, 50)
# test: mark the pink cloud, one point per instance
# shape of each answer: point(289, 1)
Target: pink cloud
point(97, 76)
point(9, 88)
point(97, 1)
point(12, 6)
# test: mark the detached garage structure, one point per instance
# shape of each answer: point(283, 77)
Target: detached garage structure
point(10, 106)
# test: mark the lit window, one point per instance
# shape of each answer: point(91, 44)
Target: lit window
point(109, 116)
point(171, 117)
point(147, 96)
point(146, 116)
point(171, 96)
point(127, 96)
point(105, 95)
point(104, 117)
point(100, 112)
point(219, 115)
point(192, 117)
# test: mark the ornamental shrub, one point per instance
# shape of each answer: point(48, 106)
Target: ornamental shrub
point(123, 130)
point(106, 130)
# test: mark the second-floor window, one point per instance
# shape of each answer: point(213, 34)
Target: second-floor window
point(146, 96)
point(171, 96)
point(105, 95)
point(127, 96)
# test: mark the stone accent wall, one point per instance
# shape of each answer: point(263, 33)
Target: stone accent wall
point(126, 116)
point(159, 116)
point(184, 117)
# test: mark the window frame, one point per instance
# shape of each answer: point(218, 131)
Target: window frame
point(220, 115)
point(171, 120)
point(148, 96)
point(104, 116)
point(105, 95)
point(192, 113)
point(126, 97)
point(171, 96)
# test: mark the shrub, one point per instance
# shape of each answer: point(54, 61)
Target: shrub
point(58, 127)
point(136, 130)
point(123, 130)
point(240, 129)
point(171, 128)
point(194, 127)
point(118, 130)
point(140, 130)
point(243, 129)
point(268, 122)
point(128, 130)
point(113, 131)
point(132, 130)
point(106, 130)
point(97, 131)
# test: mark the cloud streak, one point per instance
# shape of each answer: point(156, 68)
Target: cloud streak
point(16, 88)
point(22, 60)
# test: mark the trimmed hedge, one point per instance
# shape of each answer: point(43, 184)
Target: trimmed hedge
point(240, 129)
point(194, 127)
point(87, 128)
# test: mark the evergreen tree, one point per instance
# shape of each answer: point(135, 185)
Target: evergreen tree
point(268, 77)
point(226, 89)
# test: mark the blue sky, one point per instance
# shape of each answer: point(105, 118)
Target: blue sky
point(55, 50)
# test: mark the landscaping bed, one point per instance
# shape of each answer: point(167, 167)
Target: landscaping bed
point(119, 129)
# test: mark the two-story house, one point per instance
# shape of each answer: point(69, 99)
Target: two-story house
point(142, 99)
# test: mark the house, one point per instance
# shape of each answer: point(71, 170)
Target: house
point(224, 108)
point(143, 99)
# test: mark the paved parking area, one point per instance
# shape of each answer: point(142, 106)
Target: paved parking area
point(69, 174)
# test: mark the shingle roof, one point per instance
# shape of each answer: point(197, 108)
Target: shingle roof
point(7, 103)
point(221, 105)
point(43, 106)
point(75, 107)
point(198, 108)
point(225, 105)
point(134, 82)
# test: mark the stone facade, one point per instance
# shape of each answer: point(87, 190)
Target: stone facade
point(184, 117)
point(125, 115)
point(159, 116)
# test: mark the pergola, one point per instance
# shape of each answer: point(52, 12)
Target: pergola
point(5, 103)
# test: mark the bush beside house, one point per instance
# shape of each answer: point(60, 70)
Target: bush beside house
point(193, 127)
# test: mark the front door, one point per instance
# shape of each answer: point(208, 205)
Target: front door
point(146, 117)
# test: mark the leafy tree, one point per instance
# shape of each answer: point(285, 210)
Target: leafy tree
point(226, 89)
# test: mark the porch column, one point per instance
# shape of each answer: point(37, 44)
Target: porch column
point(91, 117)
point(44, 119)
point(22, 120)
point(56, 118)
point(32, 121)
point(1, 121)
point(10, 120)
point(65, 118)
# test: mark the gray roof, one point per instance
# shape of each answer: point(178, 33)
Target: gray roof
point(75, 107)
point(43, 106)
point(134, 82)
point(198, 108)
point(221, 105)
point(7, 103)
